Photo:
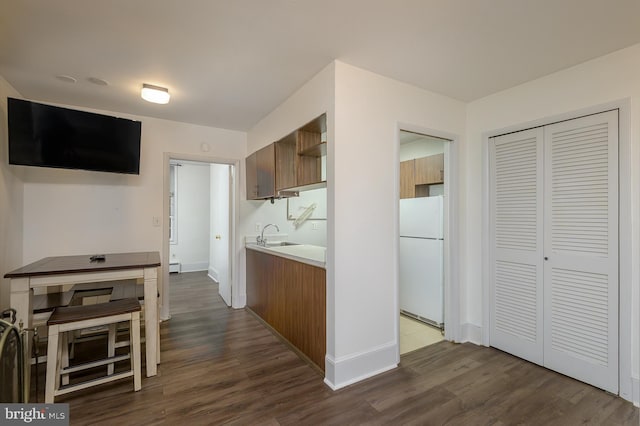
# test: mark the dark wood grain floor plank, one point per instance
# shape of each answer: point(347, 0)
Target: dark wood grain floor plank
point(221, 366)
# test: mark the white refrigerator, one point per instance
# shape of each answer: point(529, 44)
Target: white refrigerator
point(421, 259)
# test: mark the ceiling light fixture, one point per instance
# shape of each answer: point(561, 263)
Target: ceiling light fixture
point(155, 94)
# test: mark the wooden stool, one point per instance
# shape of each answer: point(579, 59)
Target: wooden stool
point(124, 289)
point(72, 318)
point(88, 296)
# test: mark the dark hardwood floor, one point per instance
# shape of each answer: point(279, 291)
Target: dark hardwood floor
point(221, 366)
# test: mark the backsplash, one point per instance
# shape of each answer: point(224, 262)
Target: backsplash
point(312, 231)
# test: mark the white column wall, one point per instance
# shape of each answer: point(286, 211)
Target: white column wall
point(362, 194)
point(364, 169)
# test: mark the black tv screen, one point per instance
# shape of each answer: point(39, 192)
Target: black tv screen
point(48, 136)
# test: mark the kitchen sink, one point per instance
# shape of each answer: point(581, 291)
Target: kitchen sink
point(281, 244)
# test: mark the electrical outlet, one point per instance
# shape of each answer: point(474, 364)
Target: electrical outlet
point(156, 221)
point(314, 226)
point(258, 227)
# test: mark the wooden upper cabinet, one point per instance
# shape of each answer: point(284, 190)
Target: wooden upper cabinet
point(309, 159)
point(292, 162)
point(416, 175)
point(252, 176)
point(299, 159)
point(265, 170)
point(429, 170)
point(407, 179)
point(286, 162)
point(310, 143)
point(271, 169)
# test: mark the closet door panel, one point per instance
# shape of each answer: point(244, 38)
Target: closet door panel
point(516, 243)
point(581, 248)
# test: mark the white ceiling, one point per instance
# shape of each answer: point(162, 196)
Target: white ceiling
point(228, 63)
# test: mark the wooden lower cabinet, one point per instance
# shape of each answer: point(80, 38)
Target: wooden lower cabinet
point(290, 296)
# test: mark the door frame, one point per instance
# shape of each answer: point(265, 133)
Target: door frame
point(452, 330)
point(233, 220)
point(625, 236)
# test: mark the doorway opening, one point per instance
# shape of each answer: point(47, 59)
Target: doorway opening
point(199, 200)
point(423, 216)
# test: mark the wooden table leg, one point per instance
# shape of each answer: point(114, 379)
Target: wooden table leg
point(151, 319)
point(21, 301)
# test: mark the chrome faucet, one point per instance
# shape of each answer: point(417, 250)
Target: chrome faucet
point(261, 240)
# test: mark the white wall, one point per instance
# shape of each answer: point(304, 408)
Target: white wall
point(11, 192)
point(605, 79)
point(74, 212)
point(363, 169)
point(193, 218)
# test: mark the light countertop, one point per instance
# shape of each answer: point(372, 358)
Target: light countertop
point(305, 253)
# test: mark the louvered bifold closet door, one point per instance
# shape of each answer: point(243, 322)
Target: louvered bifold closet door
point(516, 238)
point(581, 248)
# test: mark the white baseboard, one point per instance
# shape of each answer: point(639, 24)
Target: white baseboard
point(350, 369)
point(239, 301)
point(635, 385)
point(213, 274)
point(471, 333)
point(194, 267)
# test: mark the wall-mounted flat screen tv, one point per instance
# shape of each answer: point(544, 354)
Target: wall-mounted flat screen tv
point(48, 136)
